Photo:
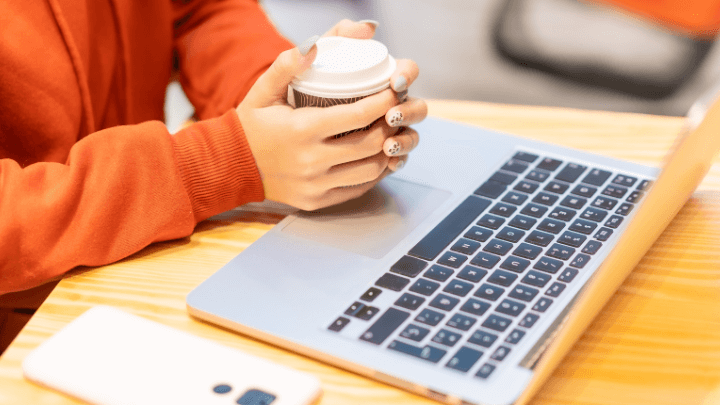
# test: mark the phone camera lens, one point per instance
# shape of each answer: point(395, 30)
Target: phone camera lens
point(222, 389)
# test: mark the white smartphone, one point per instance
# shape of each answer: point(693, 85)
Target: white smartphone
point(108, 357)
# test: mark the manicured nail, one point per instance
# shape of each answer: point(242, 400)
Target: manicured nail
point(399, 165)
point(400, 84)
point(371, 22)
point(402, 96)
point(306, 46)
point(396, 119)
point(393, 149)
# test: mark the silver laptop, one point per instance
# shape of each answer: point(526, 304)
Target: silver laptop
point(466, 276)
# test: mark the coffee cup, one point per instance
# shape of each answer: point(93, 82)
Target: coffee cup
point(345, 70)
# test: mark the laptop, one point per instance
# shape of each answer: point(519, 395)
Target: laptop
point(468, 275)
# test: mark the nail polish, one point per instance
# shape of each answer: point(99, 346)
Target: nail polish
point(394, 149)
point(402, 96)
point(306, 46)
point(370, 22)
point(396, 119)
point(400, 84)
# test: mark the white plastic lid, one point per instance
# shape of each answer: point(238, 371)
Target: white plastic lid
point(347, 67)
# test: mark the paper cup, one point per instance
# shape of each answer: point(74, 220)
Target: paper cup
point(344, 71)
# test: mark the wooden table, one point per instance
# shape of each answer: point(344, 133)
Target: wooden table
point(656, 342)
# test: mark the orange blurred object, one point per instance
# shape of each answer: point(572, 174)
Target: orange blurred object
point(696, 18)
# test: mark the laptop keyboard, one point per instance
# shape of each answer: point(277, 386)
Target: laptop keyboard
point(474, 286)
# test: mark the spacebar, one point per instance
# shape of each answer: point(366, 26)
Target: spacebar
point(450, 227)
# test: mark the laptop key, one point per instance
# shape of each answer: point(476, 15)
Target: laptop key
point(510, 307)
point(551, 225)
point(485, 371)
point(615, 191)
point(572, 239)
point(560, 252)
point(528, 320)
point(584, 191)
point(449, 228)
point(536, 278)
point(498, 247)
point(367, 313)
point(570, 172)
point(567, 275)
point(500, 353)
point(429, 353)
point(596, 177)
point(515, 264)
point(604, 203)
point(525, 293)
point(603, 234)
point(475, 307)
point(491, 189)
point(644, 185)
point(539, 238)
point(522, 222)
point(479, 234)
point(370, 294)
point(485, 260)
point(623, 180)
point(635, 196)
point(525, 157)
point(384, 326)
point(549, 164)
point(354, 308)
point(424, 287)
point(538, 175)
point(502, 209)
point(444, 302)
point(534, 210)
point(408, 266)
point(580, 261)
point(491, 221)
point(513, 197)
point(591, 247)
point(339, 324)
point(464, 359)
point(414, 332)
point(548, 265)
point(504, 178)
point(497, 323)
point(510, 234)
point(446, 337)
point(545, 199)
point(573, 202)
point(460, 321)
point(563, 214)
point(525, 186)
point(459, 288)
point(489, 292)
point(515, 336)
point(465, 246)
point(429, 317)
point(482, 338)
point(515, 166)
point(438, 273)
point(502, 278)
point(472, 274)
point(594, 214)
point(542, 304)
point(527, 251)
point(583, 226)
point(452, 259)
point(555, 290)
point(392, 282)
point(557, 187)
point(410, 301)
point(624, 209)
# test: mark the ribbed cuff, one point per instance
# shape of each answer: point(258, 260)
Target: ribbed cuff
point(217, 166)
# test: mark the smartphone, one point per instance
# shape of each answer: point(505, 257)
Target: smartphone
point(108, 357)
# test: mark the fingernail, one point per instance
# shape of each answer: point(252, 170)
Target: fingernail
point(400, 84)
point(306, 46)
point(399, 165)
point(393, 149)
point(371, 22)
point(402, 96)
point(396, 119)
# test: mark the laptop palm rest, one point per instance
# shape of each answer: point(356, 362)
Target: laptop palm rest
point(373, 224)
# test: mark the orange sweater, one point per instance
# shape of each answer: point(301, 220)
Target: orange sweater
point(88, 175)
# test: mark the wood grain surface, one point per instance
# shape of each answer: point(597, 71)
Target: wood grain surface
point(656, 342)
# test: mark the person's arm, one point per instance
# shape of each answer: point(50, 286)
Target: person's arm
point(119, 190)
point(223, 46)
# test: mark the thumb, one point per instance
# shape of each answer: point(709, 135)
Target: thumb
point(272, 85)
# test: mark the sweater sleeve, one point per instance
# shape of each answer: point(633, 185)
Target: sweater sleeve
point(119, 190)
point(223, 46)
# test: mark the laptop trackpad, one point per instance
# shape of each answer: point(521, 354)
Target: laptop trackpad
point(373, 224)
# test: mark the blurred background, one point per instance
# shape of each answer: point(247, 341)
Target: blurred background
point(566, 53)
